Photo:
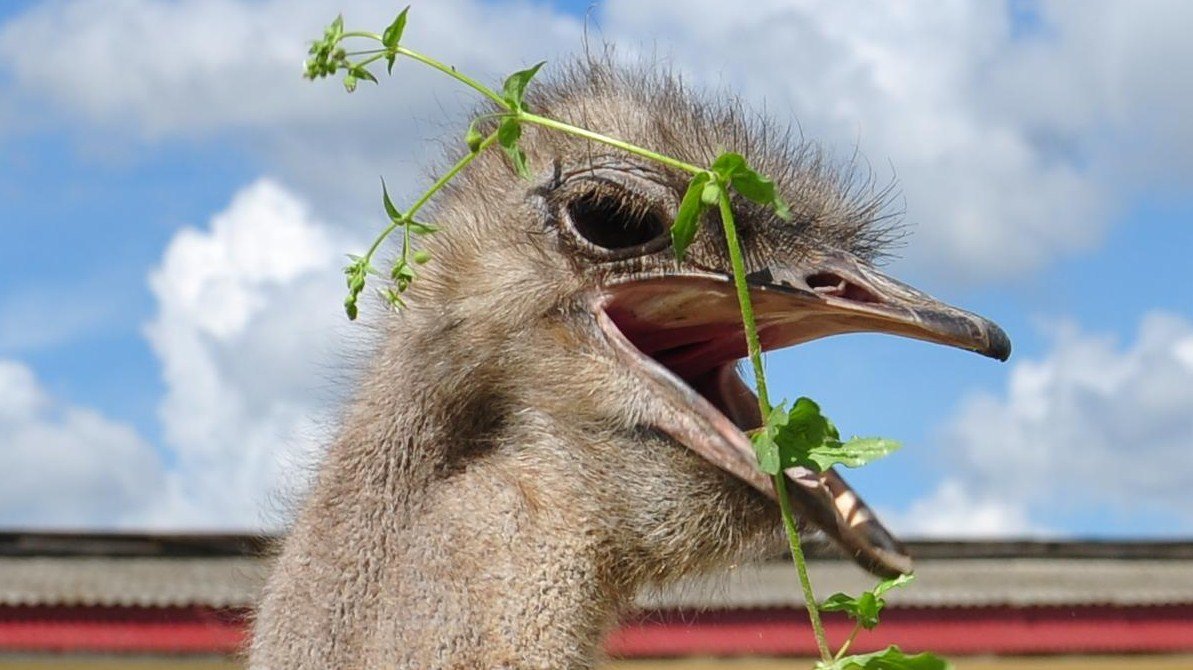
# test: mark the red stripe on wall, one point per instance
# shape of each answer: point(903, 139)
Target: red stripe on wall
point(122, 629)
point(1001, 630)
point(774, 632)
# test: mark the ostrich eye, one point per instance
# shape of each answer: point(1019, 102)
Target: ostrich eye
point(615, 223)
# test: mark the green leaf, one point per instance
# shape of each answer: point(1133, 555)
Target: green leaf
point(518, 158)
point(335, 31)
point(401, 270)
point(735, 171)
point(863, 609)
point(808, 439)
point(866, 607)
point(754, 186)
point(419, 228)
point(891, 658)
point(394, 215)
point(804, 430)
point(854, 453)
point(473, 137)
point(766, 448)
point(782, 210)
point(362, 73)
point(391, 37)
point(508, 134)
point(727, 164)
point(767, 452)
point(893, 583)
point(393, 298)
point(839, 602)
point(687, 218)
point(514, 87)
point(402, 275)
point(393, 34)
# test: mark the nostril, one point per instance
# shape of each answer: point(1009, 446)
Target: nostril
point(824, 282)
point(828, 283)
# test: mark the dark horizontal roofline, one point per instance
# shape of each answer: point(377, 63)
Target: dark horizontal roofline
point(62, 543)
point(181, 545)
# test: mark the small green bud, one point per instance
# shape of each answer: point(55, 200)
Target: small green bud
point(421, 256)
point(473, 138)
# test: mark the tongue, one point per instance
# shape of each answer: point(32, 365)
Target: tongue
point(823, 498)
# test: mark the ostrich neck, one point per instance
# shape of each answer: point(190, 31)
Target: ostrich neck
point(428, 541)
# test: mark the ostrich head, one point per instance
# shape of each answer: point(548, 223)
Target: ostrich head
point(601, 371)
point(555, 419)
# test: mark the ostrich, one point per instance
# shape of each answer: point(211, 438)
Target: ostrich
point(555, 420)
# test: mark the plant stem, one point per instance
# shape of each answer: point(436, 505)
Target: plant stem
point(611, 141)
point(754, 347)
point(546, 122)
point(527, 116)
point(857, 628)
point(454, 74)
point(418, 204)
point(749, 323)
point(371, 59)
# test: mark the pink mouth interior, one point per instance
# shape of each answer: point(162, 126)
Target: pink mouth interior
point(694, 331)
point(697, 354)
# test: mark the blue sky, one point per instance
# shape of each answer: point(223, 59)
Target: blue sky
point(1046, 179)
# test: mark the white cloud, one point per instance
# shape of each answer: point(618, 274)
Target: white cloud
point(954, 511)
point(943, 92)
point(1012, 149)
point(1099, 85)
point(1090, 429)
point(195, 68)
point(246, 332)
point(195, 65)
point(67, 466)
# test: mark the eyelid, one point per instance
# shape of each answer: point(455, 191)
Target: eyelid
point(644, 188)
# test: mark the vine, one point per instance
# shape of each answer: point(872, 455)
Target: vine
point(798, 435)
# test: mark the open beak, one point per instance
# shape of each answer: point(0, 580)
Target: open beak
point(682, 330)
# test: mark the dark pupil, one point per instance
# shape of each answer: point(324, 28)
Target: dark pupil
point(612, 223)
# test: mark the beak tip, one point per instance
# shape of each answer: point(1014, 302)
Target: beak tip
point(998, 345)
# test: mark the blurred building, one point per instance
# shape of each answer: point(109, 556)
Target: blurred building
point(66, 596)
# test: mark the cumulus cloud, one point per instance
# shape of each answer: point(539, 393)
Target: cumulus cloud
point(1091, 429)
point(68, 466)
point(1012, 147)
point(1102, 66)
point(954, 510)
point(1012, 142)
point(246, 332)
point(198, 68)
point(1008, 140)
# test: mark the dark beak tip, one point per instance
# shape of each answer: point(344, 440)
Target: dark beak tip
point(998, 344)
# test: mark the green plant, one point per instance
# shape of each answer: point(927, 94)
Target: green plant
point(795, 435)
